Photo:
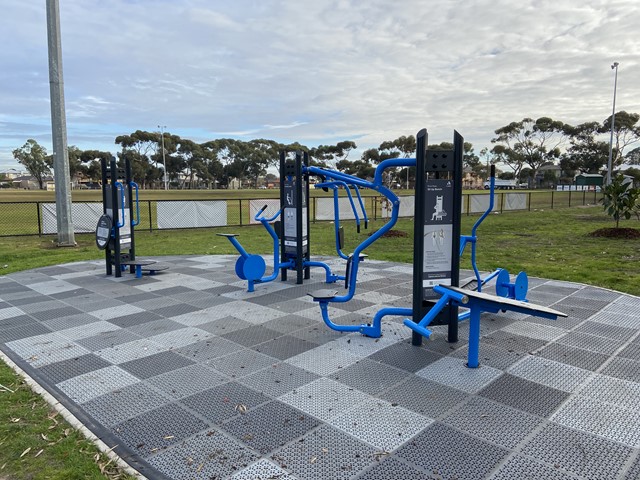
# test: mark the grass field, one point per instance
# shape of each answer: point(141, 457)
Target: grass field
point(546, 243)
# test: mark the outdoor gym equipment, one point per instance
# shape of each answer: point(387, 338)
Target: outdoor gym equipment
point(115, 229)
point(516, 290)
point(291, 235)
point(437, 249)
point(477, 302)
point(252, 267)
point(339, 231)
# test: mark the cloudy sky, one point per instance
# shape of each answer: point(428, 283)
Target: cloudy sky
point(314, 71)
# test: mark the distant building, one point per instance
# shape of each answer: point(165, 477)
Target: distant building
point(589, 179)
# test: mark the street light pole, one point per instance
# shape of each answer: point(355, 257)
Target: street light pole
point(613, 122)
point(164, 163)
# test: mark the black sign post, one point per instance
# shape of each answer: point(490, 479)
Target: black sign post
point(294, 194)
point(437, 230)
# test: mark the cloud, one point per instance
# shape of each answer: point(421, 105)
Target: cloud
point(317, 72)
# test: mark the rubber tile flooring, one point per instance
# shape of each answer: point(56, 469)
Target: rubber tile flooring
point(189, 376)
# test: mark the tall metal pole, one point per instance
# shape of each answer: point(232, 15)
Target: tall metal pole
point(613, 122)
point(164, 163)
point(59, 129)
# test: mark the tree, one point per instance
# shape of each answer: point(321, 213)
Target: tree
point(619, 199)
point(34, 158)
point(330, 154)
point(625, 133)
point(585, 154)
point(529, 142)
point(633, 157)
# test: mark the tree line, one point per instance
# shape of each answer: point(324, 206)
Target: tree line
point(523, 146)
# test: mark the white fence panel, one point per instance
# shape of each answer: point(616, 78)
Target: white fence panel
point(83, 215)
point(191, 214)
point(273, 206)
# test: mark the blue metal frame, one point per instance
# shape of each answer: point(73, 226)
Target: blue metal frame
point(251, 267)
point(371, 330)
point(477, 303)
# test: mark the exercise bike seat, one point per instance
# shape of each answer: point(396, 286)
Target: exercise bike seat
point(324, 294)
point(227, 235)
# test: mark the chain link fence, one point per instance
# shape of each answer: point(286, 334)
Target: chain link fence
point(39, 218)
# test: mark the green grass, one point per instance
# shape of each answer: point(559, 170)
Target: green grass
point(545, 243)
point(36, 443)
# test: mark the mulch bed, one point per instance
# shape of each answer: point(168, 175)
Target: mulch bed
point(626, 233)
point(394, 234)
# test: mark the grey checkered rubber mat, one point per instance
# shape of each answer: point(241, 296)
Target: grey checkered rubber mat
point(189, 376)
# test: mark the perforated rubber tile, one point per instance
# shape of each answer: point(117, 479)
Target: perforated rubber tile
point(224, 401)
point(106, 339)
point(270, 426)
point(492, 421)
point(593, 343)
point(492, 356)
point(458, 454)
point(613, 390)
point(155, 364)
point(497, 411)
point(512, 341)
point(145, 435)
point(610, 331)
point(324, 398)
point(454, 373)
point(325, 453)
point(277, 379)
point(127, 321)
point(381, 424)
point(284, 347)
point(606, 420)
point(524, 468)
point(20, 332)
point(119, 405)
point(369, 376)
point(207, 350)
point(550, 373)
point(525, 395)
point(252, 335)
point(14, 317)
point(405, 356)
point(582, 454)
point(631, 351)
point(624, 368)
point(66, 369)
point(393, 468)
point(262, 469)
point(573, 356)
point(241, 363)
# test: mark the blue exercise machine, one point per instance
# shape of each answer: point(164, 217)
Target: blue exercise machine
point(290, 235)
point(437, 249)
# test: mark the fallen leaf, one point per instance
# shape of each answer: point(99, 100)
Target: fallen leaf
point(37, 454)
point(168, 437)
point(44, 437)
point(25, 452)
point(313, 460)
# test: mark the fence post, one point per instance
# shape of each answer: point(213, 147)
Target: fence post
point(150, 218)
point(39, 219)
point(569, 198)
point(584, 197)
point(240, 210)
point(501, 201)
point(315, 208)
point(529, 201)
point(551, 199)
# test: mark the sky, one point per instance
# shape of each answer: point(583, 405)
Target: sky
point(314, 71)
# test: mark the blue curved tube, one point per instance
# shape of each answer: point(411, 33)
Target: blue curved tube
point(364, 210)
point(136, 222)
point(120, 188)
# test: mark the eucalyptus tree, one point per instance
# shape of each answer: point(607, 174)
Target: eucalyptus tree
point(33, 157)
point(626, 131)
point(586, 153)
point(530, 142)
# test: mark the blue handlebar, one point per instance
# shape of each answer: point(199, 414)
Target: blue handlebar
point(120, 188)
point(136, 222)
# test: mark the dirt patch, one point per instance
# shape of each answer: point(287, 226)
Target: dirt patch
point(394, 234)
point(625, 233)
